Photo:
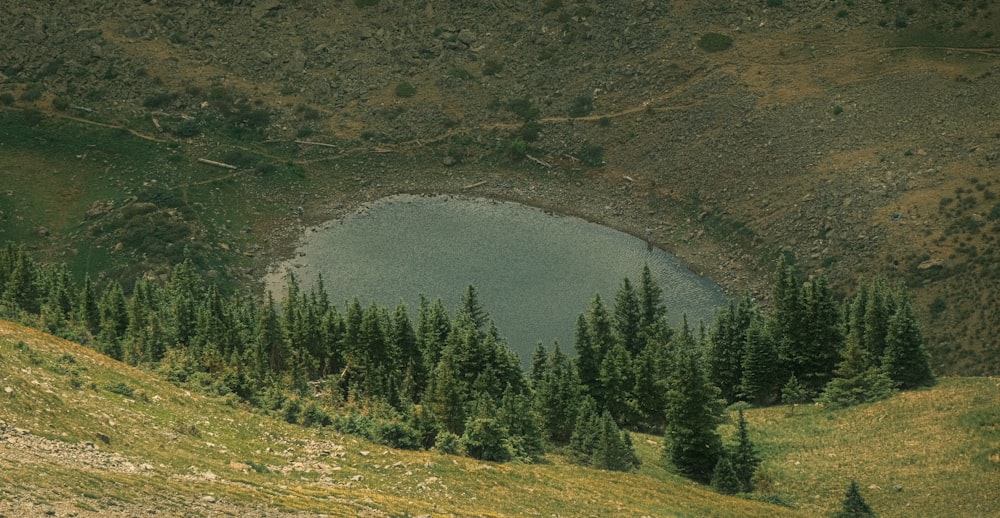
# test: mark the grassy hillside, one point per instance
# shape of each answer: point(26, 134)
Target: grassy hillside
point(88, 435)
point(857, 135)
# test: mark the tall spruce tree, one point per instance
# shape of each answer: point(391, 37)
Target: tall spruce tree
point(743, 455)
point(617, 381)
point(628, 318)
point(905, 360)
point(691, 443)
point(726, 344)
point(557, 396)
point(761, 381)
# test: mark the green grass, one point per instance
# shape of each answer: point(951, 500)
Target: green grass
point(941, 445)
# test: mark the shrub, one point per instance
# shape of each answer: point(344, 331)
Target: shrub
point(492, 68)
point(6, 99)
point(459, 73)
point(592, 155)
point(60, 104)
point(715, 42)
point(529, 132)
point(120, 388)
point(523, 108)
point(366, 3)
point(158, 100)
point(775, 3)
point(397, 435)
point(405, 89)
point(187, 128)
point(32, 93)
point(447, 442)
point(837, 110)
point(582, 106)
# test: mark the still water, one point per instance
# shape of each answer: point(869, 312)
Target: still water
point(534, 271)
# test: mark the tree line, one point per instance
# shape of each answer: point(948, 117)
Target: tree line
point(448, 380)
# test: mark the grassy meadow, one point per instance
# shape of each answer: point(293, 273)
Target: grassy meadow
point(933, 452)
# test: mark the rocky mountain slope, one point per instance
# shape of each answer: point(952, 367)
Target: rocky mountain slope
point(862, 137)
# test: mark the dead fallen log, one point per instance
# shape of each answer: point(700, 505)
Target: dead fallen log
point(217, 164)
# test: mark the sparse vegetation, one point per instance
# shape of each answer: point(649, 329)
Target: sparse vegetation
point(715, 42)
point(405, 89)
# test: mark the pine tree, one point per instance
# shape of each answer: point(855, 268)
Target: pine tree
point(617, 380)
point(760, 382)
point(627, 318)
point(854, 505)
point(726, 345)
point(905, 359)
point(818, 352)
point(724, 478)
point(744, 457)
point(586, 432)
point(557, 396)
point(594, 339)
point(22, 289)
point(87, 313)
point(433, 328)
point(523, 425)
point(652, 368)
point(691, 442)
point(652, 310)
point(471, 311)
point(613, 449)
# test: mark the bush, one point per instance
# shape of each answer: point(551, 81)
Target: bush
point(405, 89)
point(32, 93)
point(492, 68)
point(486, 439)
point(523, 108)
point(60, 104)
point(366, 3)
point(715, 42)
point(120, 388)
point(582, 106)
point(459, 73)
point(447, 442)
point(775, 3)
point(6, 99)
point(592, 155)
point(158, 100)
point(187, 128)
point(397, 435)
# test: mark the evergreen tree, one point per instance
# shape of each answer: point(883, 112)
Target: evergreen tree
point(724, 478)
point(652, 368)
point(22, 289)
point(905, 360)
point(744, 457)
point(726, 343)
point(433, 328)
point(403, 338)
point(523, 425)
point(854, 505)
point(594, 339)
point(617, 380)
point(793, 392)
point(471, 311)
point(87, 312)
point(557, 395)
point(818, 352)
point(627, 318)
point(484, 436)
point(760, 382)
point(270, 354)
point(691, 442)
point(878, 311)
point(446, 397)
point(586, 432)
point(538, 364)
point(613, 448)
point(652, 310)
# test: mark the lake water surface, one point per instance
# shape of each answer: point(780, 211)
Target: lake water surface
point(534, 271)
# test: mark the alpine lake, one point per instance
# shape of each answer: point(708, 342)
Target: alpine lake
point(534, 271)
